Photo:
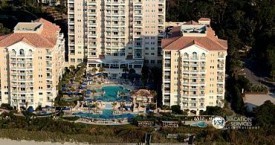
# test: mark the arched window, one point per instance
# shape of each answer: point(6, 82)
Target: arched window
point(13, 52)
point(186, 56)
point(203, 56)
point(30, 52)
point(21, 52)
point(194, 55)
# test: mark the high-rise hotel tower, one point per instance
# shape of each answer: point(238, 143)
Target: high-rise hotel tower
point(193, 67)
point(31, 64)
point(115, 34)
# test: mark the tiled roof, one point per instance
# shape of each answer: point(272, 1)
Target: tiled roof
point(209, 42)
point(46, 39)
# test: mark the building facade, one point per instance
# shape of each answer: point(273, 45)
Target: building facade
point(115, 34)
point(193, 67)
point(32, 62)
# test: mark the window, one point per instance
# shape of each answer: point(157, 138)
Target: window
point(186, 55)
point(21, 52)
point(194, 55)
point(40, 93)
point(203, 56)
point(30, 51)
point(13, 52)
point(152, 61)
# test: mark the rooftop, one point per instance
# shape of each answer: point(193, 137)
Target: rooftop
point(191, 33)
point(40, 33)
point(253, 100)
point(27, 27)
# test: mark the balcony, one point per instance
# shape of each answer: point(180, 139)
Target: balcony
point(167, 80)
point(22, 92)
point(49, 64)
point(166, 92)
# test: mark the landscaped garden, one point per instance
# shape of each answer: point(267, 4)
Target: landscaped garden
point(98, 99)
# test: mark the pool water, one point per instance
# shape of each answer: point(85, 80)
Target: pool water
point(201, 124)
point(106, 114)
point(111, 94)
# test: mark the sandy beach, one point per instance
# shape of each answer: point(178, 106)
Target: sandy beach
point(25, 142)
point(4, 141)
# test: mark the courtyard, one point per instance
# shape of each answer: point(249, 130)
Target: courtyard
point(98, 99)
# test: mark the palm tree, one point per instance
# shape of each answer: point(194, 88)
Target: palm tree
point(93, 92)
point(154, 94)
point(114, 104)
point(94, 70)
point(125, 70)
point(152, 106)
point(101, 70)
point(26, 103)
point(72, 68)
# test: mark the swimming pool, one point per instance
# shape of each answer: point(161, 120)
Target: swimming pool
point(111, 94)
point(106, 114)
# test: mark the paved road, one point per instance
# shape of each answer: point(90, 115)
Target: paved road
point(251, 76)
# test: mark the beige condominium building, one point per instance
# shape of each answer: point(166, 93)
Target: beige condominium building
point(115, 34)
point(32, 62)
point(193, 67)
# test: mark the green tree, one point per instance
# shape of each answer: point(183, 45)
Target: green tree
point(176, 109)
point(101, 69)
point(72, 68)
point(125, 70)
point(272, 74)
point(210, 110)
point(144, 74)
point(152, 106)
point(265, 114)
point(132, 71)
point(94, 70)
point(237, 103)
point(3, 30)
point(93, 92)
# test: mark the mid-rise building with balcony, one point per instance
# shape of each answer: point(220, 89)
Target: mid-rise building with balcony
point(32, 62)
point(193, 67)
point(115, 34)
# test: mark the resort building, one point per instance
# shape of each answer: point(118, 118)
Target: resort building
point(32, 62)
point(193, 67)
point(115, 34)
